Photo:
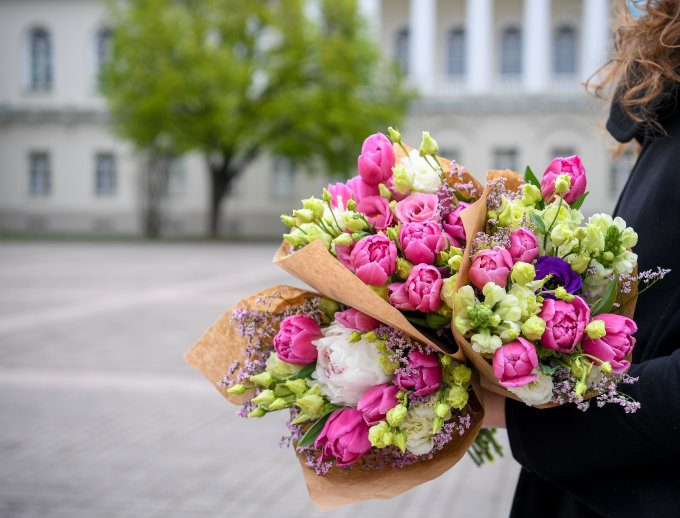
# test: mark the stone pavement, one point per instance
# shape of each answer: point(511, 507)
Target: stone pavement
point(100, 417)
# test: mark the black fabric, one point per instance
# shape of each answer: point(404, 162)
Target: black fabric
point(604, 462)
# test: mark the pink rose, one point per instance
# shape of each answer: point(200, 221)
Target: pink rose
point(376, 159)
point(423, 375)
point(514, 363)
point(361, 189)
point(453, 225)
point(564, 323)
point(354, 319)
point(570, 165)
point(374, 259)
point(421, 242)
point(523, 245)
point(340, 194)
point(344, 437)
point(293, 342)
point(491, 265)
point(377, 401)
point(418, 207)
point(377, 210)
point(616, 344)
point(343, 254)
point(420, 292)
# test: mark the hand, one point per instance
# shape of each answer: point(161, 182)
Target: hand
point(494, 410)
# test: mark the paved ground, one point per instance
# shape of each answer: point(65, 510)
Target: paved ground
point(100, 416)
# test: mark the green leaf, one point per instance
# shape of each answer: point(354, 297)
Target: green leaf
point(313, 432)
point(577, 204)
point(546, 369)
point(530, 177)
point(436, 321)
point(305, 372)
point(538, 220)
point(461, 197)
point(604, 305)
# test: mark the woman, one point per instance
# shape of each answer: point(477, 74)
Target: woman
point(603, 462)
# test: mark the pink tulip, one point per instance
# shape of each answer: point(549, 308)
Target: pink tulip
point(376, 160)
point(564, 323)
point(523, 245)
point(570, 165)
point(423, 374)
point(453, 225)
point(616, 344)
point(514, 363)
point(418, 207)
point(354, 319)
point(491, 265)
point(293, 342)
point(421, 291)
point(344, 437)
point(377, 401)
point(421, 242)
point(377, 210)
point(374, 259)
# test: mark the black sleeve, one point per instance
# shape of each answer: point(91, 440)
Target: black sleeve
point(565, 442)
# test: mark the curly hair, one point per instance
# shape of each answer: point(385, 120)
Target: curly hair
point(646, 60)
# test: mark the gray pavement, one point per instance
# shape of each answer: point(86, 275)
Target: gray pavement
point(99, 415)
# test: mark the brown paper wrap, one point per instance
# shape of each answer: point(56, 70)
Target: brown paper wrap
point(213, 354)
point(474, 221)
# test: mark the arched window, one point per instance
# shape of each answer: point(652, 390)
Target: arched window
point(511, 51)
point(40, 59)
point(455, 46)
point(564, 49)
point(401, 49)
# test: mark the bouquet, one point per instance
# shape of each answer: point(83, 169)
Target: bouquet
point(390, 239)
point(373, 413)
point(545, 299)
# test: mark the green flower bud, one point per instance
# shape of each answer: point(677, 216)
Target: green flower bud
point(608, 256)
point(315, 205)
point(297, 386)
point(282, 391)
point(238, 389)
point(263, 379)
point(377, 433)
point(278, 404)
point(304, 215)
point(505, 215)
point(596, 329)
point(562, 294)
point(579, 263)
point(428, 146)
point(381, 291)
point(402, 179)
point(388, 366)
point(457, 397)
point(264, 398)
point(327, 195)
point(404, 267)
point(257, 412)
point(393, 234)
point(562, 183)
point(354, 337)
point(522, 273)
point(355, 222)
point(462, 374)
point(384, 191)
point(442, 410)
point(533, 328)
point(343, 239)
point(445, 360)
point(606, 367)
point(295, 240)
point(448, 291)
point(370, 336)
point(445, 311)
point(580, 389)
point(579, 368)
point(480, 315)
point(561, 233)
point(531, 194)
point(454, 263)
point(287, 220)
point(310, 404)
point(400, 440)
point(396, 415)
point(329, 307)
point(437, 424)
point(351, 205)
point(394, 134)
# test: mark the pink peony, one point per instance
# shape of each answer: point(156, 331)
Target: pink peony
point(354, 319)
point(343, 254)
point(376, 159)
point(374, 259)
point(293, 342)
point(420, 292)
point(491, 265)
point(523, 245)
point(377, 210)
point(377, 401)
point(616, 344)
point(418, 207)
point(570, 165)
point(344, 437)
point(423, 375)
point(421, 242)
point(564, 323)
point(453, 225)
point(514, 363)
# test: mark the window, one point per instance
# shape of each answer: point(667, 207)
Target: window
point(620, 170)
point(505, 158)
point(40, 58)
point(401, 49)
point(176, 177)
point(105, 177)
point(283, 183)
point(511, 51)
point(455, 65)
point(39, 174)
point(103, 49)
point(564, 58)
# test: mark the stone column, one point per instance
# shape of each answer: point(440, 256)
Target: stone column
point(595, 39)
point(422, 36)
point(537, 45)
point(479, 38)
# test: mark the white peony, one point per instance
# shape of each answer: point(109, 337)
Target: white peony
point(425, 178)
point(537, 392)
point(418, 428)
point(344, 370)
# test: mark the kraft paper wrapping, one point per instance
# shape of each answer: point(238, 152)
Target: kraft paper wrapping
point(474, 221)
point(213, 354)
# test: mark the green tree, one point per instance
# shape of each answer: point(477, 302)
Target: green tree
point(232, 79)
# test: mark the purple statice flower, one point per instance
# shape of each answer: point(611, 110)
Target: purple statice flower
point(562, 274)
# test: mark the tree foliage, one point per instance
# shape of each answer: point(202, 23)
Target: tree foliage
point(235, 78)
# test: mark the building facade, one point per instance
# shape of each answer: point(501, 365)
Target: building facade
point(499, 82)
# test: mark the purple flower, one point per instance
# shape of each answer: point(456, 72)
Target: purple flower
point(562, 274)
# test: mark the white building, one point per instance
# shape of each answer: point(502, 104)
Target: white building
point(500, 85)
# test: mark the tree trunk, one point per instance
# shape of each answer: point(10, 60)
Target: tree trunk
point(220, 179)
point(154, 190)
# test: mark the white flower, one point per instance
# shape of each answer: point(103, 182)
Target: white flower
point(594, 376)
point(344, 370)
point(418, 428)
point(484, 342)
point(625, 263)
point(537, 392)
point(425, 178)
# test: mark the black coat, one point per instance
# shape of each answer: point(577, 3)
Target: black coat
point(604, 462)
